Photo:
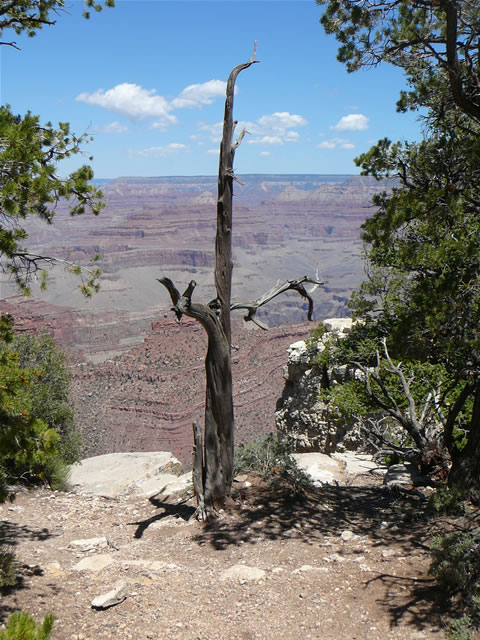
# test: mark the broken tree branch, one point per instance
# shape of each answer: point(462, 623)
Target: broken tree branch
point(252, 306)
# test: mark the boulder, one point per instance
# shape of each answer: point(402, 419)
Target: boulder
point(89, 544)
point(321, 468)
point(404, 475)
point(120, 474)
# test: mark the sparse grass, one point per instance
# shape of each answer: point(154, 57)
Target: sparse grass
point(272, 459)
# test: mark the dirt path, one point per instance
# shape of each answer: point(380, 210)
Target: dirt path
point(339, 563)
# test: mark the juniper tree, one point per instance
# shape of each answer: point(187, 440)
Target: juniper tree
point(422, 245)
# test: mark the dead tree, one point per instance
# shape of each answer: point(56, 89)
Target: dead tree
point(213, 457)
point(423, 421)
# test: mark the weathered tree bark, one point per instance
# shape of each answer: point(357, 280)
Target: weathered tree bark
point(465, 471)
point(213, 467)
point(218, 441)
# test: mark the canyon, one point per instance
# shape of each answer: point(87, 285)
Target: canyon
point(137, 375)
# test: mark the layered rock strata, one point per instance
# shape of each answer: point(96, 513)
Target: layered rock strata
point(301, 415)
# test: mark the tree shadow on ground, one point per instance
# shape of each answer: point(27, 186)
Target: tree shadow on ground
point(311, 516)
point(417, 601)
point(10, 535)
point(277, 513)
point(178, 510)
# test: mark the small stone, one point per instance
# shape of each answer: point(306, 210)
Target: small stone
point(111, 598)
point(242, 572)
point(334, 557)
point(241, 477)
point(303, 568)
point(308, 567)
point(93, 563)
point(387, 554)
point(348, 535)
point(89, 544)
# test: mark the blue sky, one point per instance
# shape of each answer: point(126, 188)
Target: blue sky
point(147, 78)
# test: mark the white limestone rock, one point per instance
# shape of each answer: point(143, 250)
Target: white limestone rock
point(242, 572)
point(120, 474)
point(302, 416)
point(113, 597)
point(89, 544)
point(322, 469)
point(94, 563)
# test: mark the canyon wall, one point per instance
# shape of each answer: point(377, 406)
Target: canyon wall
point(284, 227)
point(137, 376)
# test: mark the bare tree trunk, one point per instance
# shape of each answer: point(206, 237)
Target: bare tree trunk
point(213, 470)
point(215, 318)
point(219, 424)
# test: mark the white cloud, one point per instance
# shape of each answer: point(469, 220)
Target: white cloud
point(196, 95)
point(132, 101)
point(173, 147)
point(162, 124)
point(137, 103)
point(112, 127)
point(328, 144)
point(335, 143)
point(352, 122)
point(273, 128)
point(266, 140)
point(215, 130)
point(265, 153)
point(213, 151)
point(280, 121)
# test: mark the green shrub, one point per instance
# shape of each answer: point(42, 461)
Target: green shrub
point(37, 431)
point(316, 334)
point(456, 567)
point(50, 396)
point(271, 458)
point(461, 629)
point(21, 626)
point(8, 568)
point(456, 562)
point(447, 502)
point(57, 471)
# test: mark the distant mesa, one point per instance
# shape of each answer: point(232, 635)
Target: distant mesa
point(292, 194)
point(205, 198)
point(284, 225)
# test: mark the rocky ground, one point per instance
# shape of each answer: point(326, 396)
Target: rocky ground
point(348, 560)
